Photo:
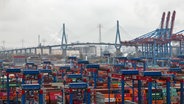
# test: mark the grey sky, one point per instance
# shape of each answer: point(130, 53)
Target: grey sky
point(25, 19)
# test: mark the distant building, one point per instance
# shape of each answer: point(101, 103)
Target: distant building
point(78, 51)
point(19, 60)
point(57, 51)
point(88, 51)
point(73, 53)
point(34, 59)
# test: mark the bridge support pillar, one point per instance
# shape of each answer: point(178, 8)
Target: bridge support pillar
point(16, 51)
point(64, 53)
point(64, 42)
point(50, 50)
point(35, 51)
point(136, 49)
point(30, 50)
point(118, 44)
point(20, 51)
point(41, 50)
point(118, 52)
point(25, 51)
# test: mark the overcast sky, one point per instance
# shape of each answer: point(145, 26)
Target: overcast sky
point(26, 19)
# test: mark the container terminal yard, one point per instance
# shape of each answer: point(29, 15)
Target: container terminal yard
point(154, 74)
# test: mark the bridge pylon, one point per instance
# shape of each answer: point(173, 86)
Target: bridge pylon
point(64, 42)
point(118, 40)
